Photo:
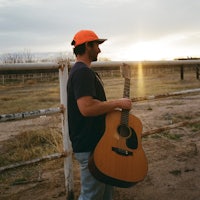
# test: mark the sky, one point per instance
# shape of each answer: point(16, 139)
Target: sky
point(135, 29)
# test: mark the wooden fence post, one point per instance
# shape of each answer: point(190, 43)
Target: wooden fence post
point(3, 79)
point(197, 71)
point(68, 165)
point(182, 72)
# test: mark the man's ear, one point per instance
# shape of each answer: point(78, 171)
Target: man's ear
point(86, 44)
point(89, 44)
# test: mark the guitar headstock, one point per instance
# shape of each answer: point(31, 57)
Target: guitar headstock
point(126, 70)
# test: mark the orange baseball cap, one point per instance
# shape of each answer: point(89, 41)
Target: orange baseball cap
point(84, 36)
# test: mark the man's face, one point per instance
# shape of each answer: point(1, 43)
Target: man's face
point(94, 51)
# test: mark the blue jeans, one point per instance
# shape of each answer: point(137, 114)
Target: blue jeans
point(91, 189)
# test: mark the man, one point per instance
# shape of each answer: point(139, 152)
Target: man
point(87, 107)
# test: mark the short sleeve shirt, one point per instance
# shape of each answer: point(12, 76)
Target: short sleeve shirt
point(84, 132)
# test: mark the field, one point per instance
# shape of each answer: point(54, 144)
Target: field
point(173, 155)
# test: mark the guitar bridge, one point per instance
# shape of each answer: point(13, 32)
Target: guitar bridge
point(122, 152)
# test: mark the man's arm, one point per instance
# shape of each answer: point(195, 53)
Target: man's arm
point(89, 106)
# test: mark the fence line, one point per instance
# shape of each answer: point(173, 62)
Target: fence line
point(31, 114)
point(104, 68)
point(20, 164)
point(103, 65)
point(63, 75)
point(30, 76)
point(171, 126)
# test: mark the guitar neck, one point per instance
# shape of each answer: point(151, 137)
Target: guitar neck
point(125, 113)
point(126, 88)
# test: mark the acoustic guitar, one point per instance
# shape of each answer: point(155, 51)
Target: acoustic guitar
point(119, 158)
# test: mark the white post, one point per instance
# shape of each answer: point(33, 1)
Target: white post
point(68, 165)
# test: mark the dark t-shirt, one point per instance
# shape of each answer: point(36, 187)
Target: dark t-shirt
point(84, 132)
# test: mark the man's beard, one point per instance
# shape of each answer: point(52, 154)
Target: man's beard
point(94, 59)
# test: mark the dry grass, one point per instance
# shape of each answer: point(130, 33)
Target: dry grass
point(149, 85)
point(29, 145)
point(22, 98)
point(26, 146)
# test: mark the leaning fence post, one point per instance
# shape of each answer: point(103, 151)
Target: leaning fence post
point(68, 166)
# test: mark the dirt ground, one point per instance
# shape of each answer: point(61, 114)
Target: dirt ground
point(173, 156)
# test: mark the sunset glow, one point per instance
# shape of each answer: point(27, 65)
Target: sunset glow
point(140, 81)
point(164, 48)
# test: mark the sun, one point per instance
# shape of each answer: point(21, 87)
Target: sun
point(141, 50)
point(150, 50)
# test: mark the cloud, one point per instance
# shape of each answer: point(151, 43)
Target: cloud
point(105, 3)
point(41, 24)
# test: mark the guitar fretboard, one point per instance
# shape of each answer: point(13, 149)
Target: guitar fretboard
point(125, 113)
point(126, 88)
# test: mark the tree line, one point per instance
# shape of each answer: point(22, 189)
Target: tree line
point(27, 57)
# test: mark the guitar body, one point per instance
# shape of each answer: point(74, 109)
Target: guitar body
point(119, 158)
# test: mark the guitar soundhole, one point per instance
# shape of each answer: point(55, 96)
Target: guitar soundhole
point(124, 131)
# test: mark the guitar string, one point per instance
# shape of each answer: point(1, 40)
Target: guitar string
point(125, 113)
